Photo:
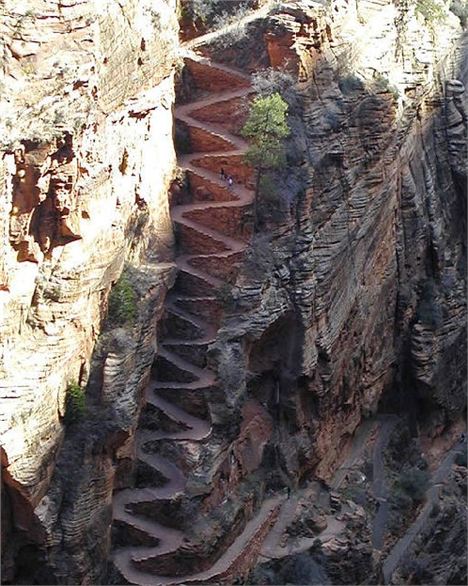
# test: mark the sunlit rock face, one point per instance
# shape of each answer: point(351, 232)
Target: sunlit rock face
point(86, 115)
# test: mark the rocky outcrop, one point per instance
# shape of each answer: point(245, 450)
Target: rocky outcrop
point(369, 186)
point(438, 554)
point(87, 163)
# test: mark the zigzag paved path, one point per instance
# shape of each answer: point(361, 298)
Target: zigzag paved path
point(216, 248)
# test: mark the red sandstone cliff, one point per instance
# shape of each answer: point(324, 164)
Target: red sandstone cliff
point(355, 299)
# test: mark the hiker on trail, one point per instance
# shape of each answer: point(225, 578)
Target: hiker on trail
point(230, 182)
point(222, 174)
point(289, 491)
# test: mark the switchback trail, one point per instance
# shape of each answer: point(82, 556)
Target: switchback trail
point(209, 256)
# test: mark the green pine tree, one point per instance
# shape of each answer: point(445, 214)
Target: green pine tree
point(265, 129)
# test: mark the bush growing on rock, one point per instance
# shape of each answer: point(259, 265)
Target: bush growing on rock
point(414, 482)
point(200, 9)
point(75, 402)
point(350, 83)
point(431, 10)
point(122, 302)
point(382, 84)
point(238, 29)
point(275, 81)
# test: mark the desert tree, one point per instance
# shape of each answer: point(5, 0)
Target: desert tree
point(265, 129)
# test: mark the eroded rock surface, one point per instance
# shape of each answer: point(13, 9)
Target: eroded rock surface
point(355, 297)
point(87, 162)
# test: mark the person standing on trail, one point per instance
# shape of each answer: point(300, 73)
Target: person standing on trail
point(230, 182)
point(222, 174)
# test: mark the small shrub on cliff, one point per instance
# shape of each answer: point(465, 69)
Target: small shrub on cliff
point(200, 9)
point(431, 10)
point(271, 81)
point(414, 482)
point(381, 84)
point(122, 302)
point(75, 402)
point(350, 83)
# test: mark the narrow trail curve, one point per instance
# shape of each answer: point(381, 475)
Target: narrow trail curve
point(204, 250)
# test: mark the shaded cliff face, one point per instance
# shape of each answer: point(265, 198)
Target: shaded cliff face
point(372, 247)
point(87, 161)
point(338, 309)
point(312, 327)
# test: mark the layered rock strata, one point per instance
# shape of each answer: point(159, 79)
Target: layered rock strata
point(87, 162)
point(371, 198)
point(358, 292)
point(185, 401)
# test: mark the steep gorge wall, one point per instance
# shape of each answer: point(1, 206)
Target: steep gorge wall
point(315, 338)
point(374, 187)
point(314, 328)
point(88, 158)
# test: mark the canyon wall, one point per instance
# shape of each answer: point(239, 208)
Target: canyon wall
point(314, 328)
point(353, 297)
point(87, 161)
point(362, 297)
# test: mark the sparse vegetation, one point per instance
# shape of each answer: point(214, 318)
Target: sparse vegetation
point(203, 10)
point(350, 83)
point(231, 37)
point(414, 482)
point(271, 81)
point(155, 18)
point(408, 491)
point(75, 402)
point(122, 302)
point(381, 84)
point(431, 10)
